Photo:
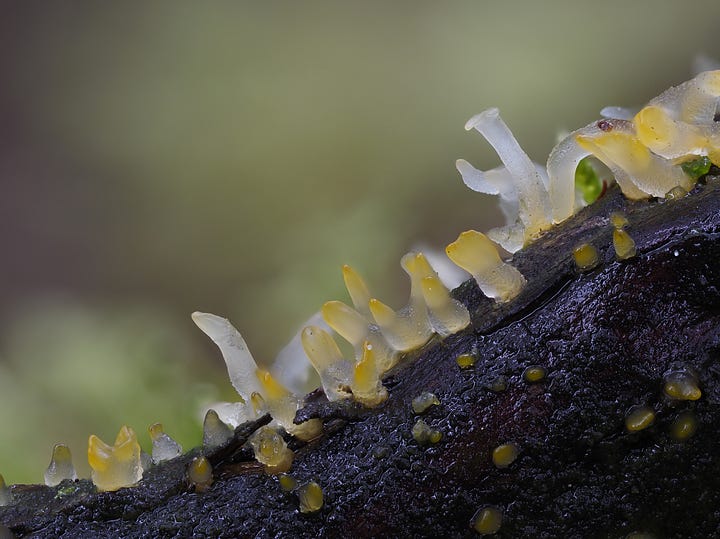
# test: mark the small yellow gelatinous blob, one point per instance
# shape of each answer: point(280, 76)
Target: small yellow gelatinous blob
point(271, 450)
point(215, 432)
point(676, 193)
point(683, 426)
point(682, 385)
point(586, 257)
point(163, 446)
point(115, 466)
point(465, 361)
point(200, 474)
point(624, 245)
point(487, 520)
point(424, 434)
point(504, 455)
point(358, 290)
point(476, 254)
point(6, 496)
point(534, 373)
point(310, 496)
point(423, 402)
point(618, 220)
point(367, 387)
point(639, 417)
point(287, 482)
point(61, 466)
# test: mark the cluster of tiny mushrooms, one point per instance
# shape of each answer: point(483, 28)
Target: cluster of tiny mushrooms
point(659, 151)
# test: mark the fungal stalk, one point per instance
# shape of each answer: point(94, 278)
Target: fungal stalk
point(61, 466)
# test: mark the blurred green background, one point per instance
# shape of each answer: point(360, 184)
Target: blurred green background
point(158, 158)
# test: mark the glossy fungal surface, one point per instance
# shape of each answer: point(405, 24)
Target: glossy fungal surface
point(200, 474)
point(163, 446)
point(115, 466)
point(60, 467)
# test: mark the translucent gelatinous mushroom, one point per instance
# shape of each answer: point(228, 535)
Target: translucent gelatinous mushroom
point(367, 385)
point(61, 466)
point(200, 474)
point(328, 361)
point(310, 496)
point(215, 432)
point(163, 446)
point(115, 466)
point(529, 181)
point(476, 254)
point(6, 496)
point(271, 450)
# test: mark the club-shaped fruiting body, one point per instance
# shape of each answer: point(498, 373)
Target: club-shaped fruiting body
point(61, 466)
point(215, 432)
point(200, 474)
point(6, 496)
point(476, 254)
point(163, 446)
point(115, 466)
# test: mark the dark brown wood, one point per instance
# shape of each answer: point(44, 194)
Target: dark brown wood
point(607, 339)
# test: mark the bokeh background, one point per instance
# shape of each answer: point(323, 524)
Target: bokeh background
point(158, 158)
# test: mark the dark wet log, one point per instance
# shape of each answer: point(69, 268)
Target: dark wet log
point(607, 339)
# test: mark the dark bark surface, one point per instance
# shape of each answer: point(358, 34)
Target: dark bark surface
point(607, 339)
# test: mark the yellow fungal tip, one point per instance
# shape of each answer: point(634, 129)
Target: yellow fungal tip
point(271, 450)
point(683, 426)
point(310, 496)
point(504, 455)
point(356, 287)
point(639, 417)
point(423, 402)
point(681, 385)
point(287, 482)
point(155, 430)
point(465, 361)
point(367, 387)
point(618, 220)
point(271, 388)
point(116, 466)
point(487, 520)
point(586, 257)
point(534, 373)
point(424, 434)
point(624, 245)
point(200, 474)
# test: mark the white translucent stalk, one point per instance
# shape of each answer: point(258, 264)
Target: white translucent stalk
point(447, 315)
point(6, 496)
point(399, 328)
point(240, 364)
point(291, 366)
point(475, 253)
point(561, 166)
point(451, 275)
point(530, 184)
point(61, 466)
point(326, 358)
point(163, 446)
